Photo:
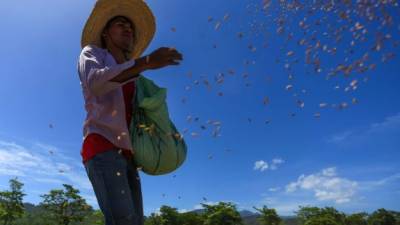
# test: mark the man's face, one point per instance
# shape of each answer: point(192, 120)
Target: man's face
point(120, 33)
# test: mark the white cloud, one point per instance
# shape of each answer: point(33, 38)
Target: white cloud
point(183, 210)
point(285, 205)
point(41, 166)
point(199, 206)
point(49, 180)
point(260, 165)
point(273, 165)
point(326, 188)
point(274, 189)
point(337, 138)
point(388, 179)
point(388, 124)
point(63, 166)
point(46, 147)
point(11, 145)
point(282, 207)
point(16, 158)
point(11, 172)
point(369, 185)
point(326, 185)
point(329, 172)
point(56, 152)
point(276, 162)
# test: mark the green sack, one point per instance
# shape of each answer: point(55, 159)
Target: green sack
point(159, 148)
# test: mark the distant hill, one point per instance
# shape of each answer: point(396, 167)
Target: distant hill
point(29, 207)
point(198, 211)
point(246, 213)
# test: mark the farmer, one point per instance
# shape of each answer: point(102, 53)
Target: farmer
point(115, 35)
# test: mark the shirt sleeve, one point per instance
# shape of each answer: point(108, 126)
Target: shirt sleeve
point(96, 75)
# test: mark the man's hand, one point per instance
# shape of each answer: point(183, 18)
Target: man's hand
point(160, 58)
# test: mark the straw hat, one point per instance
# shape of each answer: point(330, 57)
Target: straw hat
point(136, 10)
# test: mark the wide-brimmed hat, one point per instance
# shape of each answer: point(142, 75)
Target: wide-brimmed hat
point(135, 10)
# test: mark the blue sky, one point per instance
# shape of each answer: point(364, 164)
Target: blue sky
point(347, 158)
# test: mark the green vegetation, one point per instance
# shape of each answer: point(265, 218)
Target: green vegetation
point(67, 207)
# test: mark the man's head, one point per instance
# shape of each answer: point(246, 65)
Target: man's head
point(119, 32)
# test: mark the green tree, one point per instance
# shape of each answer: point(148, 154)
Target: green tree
point(11, 205)
point(94, 218)
point(37, 217)
point(357, 219)
point(154, 219)
point(268, 216)
point(321, 220)
point(221, 214)
point(65, 206)
point(324, 216)
point(396, 216)
point(305, 213)
point(191, 218)
point(169, 215)
point(382, 217)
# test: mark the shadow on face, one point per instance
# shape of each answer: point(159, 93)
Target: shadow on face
point(119, 32)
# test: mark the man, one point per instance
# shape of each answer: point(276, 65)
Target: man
point(115, 35)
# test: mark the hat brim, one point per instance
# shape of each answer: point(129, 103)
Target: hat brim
point(135, 10)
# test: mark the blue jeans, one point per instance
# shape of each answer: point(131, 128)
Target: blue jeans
point(116, 184)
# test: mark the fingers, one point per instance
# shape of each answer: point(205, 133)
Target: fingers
point(169, 50)
point(172, 57)
point(166, 50)
point(176, 57)
point(165, 57)
point(175, 54)
point(173, 62)
point(168, 54)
